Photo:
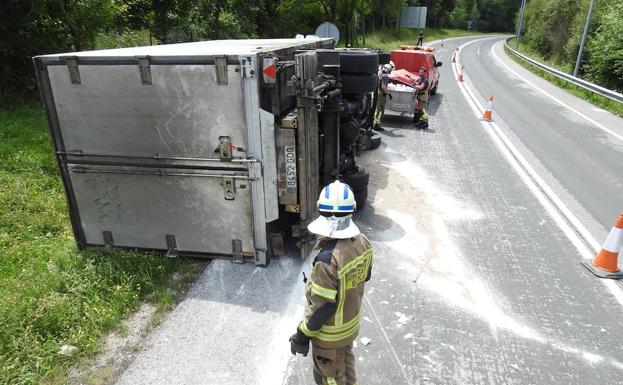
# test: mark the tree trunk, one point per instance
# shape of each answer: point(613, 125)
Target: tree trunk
point(363, 29)
point(75, 37)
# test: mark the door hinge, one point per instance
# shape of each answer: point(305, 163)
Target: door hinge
point(144, 69)
point(171, 246)
point(229, 188)
point(236, 246)
point(220, 65)
point(248, 67)
point(224, 148)
point(74, 71)
point(108, 240)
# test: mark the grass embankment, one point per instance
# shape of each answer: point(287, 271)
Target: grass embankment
point(598, 100)
point(392, 39)
point(51, 294)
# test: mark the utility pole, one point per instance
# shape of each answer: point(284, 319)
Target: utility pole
point(521, 13)
point(586, 26)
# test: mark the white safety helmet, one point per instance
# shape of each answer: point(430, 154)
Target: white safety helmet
point(387, 68)
point(336, 197)
point(336, 205)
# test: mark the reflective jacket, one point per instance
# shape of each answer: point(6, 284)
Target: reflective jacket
point(335, 290)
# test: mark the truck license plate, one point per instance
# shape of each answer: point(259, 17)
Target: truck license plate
point(290, 168)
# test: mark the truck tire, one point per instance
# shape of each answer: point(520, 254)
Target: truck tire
point(358, 83)
point(358, 61)
point(361, 197)
point(374, 141)
point(349, 132)
point(358, 182)
point(433, 90)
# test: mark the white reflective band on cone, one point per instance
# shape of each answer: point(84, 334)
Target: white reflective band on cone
point(614, 240)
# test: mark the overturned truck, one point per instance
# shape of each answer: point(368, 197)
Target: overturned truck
point(214, 149)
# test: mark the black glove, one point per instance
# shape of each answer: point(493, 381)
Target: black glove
point(299, 343)
point(390, 96)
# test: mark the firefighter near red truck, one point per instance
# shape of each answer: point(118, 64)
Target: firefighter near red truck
point(414, 79)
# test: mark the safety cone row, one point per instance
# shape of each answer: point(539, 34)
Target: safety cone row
point(605, 264)
point(488, 114)
point(461, 74)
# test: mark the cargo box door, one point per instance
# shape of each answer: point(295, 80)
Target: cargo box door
point(153, 154)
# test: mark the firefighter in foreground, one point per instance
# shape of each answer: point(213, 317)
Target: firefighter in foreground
point(342, 263)
point(420, 119)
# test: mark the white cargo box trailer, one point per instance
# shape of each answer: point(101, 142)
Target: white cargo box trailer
point(200, 149)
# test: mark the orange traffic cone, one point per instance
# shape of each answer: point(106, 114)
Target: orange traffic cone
point(605, 264)
point(461, 74)
point(488, 114)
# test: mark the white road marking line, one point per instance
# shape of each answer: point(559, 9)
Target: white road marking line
point(478, 51)
point(569, 225)
point(404, 373)
point(560, 102)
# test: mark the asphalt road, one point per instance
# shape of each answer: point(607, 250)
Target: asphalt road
point(474, 282)
point(585, 160)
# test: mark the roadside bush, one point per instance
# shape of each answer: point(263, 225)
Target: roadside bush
point(124, 39)
point(605, 49)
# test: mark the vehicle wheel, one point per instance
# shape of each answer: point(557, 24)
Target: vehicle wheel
point(358, 83)
point(357, 180)
point(349, 132)
point(358, 61)
point(433, 90)
point(374, 141)
point(361, 197)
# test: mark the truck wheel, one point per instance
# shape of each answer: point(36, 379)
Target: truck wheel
point(374, 141)
point(358, 180)
point(358, 83)
point(358, 61)
point(361, 197)
point(349, 132)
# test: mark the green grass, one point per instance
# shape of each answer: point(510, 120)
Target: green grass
point(392, 39)
point(51, 294)
point(598, 100)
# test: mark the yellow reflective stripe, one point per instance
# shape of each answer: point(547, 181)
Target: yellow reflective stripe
point(339, 314)
point(335, 329)
point(363, 258)
point(323, 291)
point(331, 381)
point(337, 337)
point(306, 331)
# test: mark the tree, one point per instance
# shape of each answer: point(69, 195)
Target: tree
point(605, 49)
point(82, 19)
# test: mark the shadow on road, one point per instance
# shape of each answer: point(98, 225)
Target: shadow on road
point(434, 103)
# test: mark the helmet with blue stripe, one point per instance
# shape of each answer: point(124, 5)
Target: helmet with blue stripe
point(336, 199)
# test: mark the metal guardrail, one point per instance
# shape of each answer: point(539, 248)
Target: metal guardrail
point(612, 95)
